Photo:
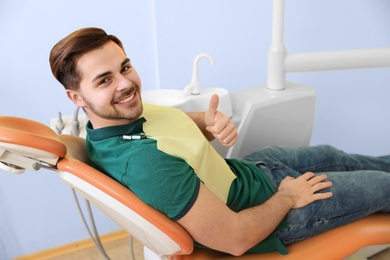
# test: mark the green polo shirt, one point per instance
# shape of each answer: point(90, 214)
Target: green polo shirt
point(164, 179)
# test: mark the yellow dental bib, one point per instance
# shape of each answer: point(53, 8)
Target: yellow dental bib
point(176, 134)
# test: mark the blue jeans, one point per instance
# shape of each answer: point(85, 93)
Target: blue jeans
point(361, 186)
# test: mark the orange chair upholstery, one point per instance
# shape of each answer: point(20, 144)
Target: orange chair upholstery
point(152, 228)
point(334, 244)
point(29, 133)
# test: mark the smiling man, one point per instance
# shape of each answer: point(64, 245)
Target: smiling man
point(263, 202)
point(110, 106)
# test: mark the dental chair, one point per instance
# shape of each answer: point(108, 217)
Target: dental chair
point(27, 144)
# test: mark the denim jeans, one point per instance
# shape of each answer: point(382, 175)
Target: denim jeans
point(361, 186)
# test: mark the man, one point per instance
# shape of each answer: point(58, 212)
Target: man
point(271, 198)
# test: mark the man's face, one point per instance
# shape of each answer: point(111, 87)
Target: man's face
point(110, 87)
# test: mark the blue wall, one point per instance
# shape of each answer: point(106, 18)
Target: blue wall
point(162, 38)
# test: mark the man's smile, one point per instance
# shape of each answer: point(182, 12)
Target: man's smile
point(128, 99)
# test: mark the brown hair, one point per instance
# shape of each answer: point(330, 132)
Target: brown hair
point(65, 54)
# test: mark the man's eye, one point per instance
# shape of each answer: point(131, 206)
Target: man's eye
point(126, 68)
point(103, 81)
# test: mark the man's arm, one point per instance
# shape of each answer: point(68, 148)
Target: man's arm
point(198, 118)
point(213, 224)
point(214, 124)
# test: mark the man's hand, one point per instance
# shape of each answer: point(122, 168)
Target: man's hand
point(219, 125)
point(304, 189)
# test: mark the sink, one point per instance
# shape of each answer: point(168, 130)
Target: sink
point(189, 102)
point(193, 98)
point(199, 103)
point(166, 97)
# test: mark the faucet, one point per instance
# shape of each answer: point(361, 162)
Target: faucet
point(193, 88)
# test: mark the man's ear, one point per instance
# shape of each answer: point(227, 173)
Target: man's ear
point(75, 97)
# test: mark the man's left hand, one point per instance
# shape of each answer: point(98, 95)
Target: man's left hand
point(219, 125)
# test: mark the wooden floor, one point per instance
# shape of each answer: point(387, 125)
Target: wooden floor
point(116, 250)
point(120, 249)
point(383, 255)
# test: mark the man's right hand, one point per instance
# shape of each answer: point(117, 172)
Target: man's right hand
point(304, 189)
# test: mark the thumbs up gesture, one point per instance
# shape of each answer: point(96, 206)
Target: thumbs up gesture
point(219, 125)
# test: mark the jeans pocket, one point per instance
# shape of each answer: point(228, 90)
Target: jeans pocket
point(270, 165)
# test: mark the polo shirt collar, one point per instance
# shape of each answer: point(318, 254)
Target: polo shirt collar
point(118, 130)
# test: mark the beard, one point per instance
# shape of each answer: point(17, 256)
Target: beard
point(112, 113)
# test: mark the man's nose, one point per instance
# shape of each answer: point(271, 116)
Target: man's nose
point(123, 83)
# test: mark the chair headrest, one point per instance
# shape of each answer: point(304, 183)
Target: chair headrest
point(25, 132)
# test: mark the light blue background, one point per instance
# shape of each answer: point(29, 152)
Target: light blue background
point(162, 38)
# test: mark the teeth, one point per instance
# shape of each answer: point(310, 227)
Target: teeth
point(126, 100)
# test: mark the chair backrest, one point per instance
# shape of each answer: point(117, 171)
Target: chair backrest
point(152, 228)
